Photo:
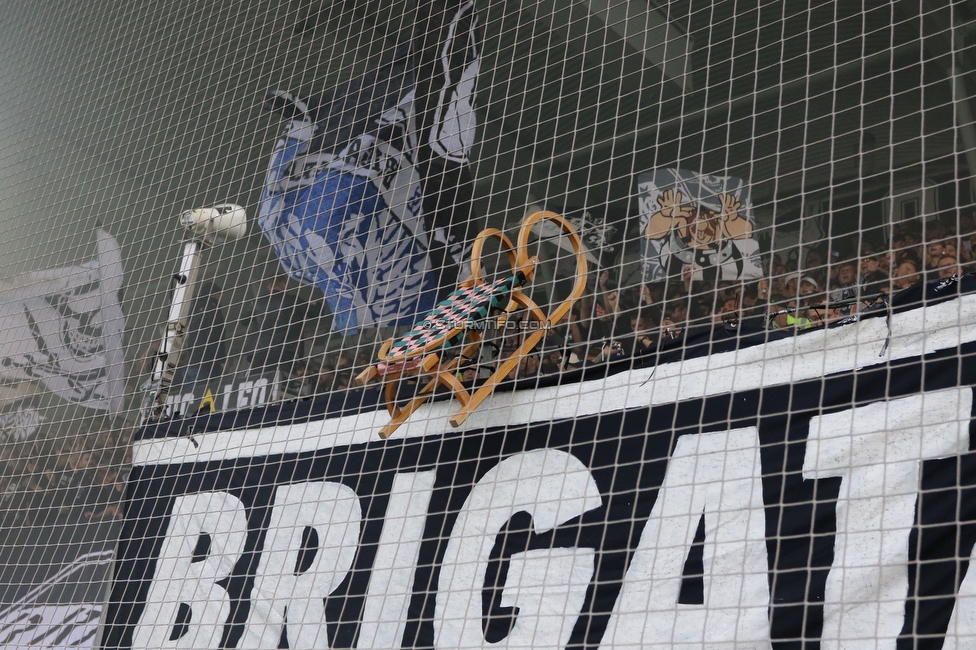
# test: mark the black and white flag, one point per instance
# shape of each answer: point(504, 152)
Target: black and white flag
point(20, 422)
point(63, 327)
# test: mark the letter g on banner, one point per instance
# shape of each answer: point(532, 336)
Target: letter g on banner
point(553, 487)
point(185, 608)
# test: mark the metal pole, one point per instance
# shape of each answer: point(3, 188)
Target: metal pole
point(164, 366)
point(206, 226)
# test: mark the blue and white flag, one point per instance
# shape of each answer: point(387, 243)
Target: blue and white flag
point(369, 191)
point(350, 221)
point(64, 326)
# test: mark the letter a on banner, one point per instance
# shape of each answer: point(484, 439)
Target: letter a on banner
point(717, 474)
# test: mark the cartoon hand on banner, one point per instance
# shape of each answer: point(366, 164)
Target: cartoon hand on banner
point(673, 214)
point(734, 225)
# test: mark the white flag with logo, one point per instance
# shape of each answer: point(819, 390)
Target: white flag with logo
point(64, 327)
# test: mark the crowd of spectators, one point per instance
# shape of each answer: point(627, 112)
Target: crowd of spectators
point(809, 288)
point(824, 285)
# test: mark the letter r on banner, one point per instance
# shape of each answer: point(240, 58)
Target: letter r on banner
point(310, 545)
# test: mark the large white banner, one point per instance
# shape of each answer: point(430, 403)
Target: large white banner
point(813, 488)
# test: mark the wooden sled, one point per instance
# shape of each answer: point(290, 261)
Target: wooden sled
point(449, 338)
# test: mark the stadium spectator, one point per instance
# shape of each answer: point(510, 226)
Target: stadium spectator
point(300, 382)
point(969, 249)
point(846, 282)
point(815, 260)
point(326, 376)
point(905, 245)
point(552, 361)
point(671, 330)
point(779, 276)
point(966, 249)
point(274, 334)
point(610, 307)
point(205, 350)
point(933, 253)
point(791, 284)
point(529, 366)
point(652, 294)
point(949, 246)
point(778, 310)
point(933, 230)
point(906, 274)
point(506, 354)
point(601, 353)
point(785, 313)
point(676, 311)
point(948, 267)
point(873, 262)
point(762, 289)
point(810, 299)
point(642, 338)
point(727, 313)
point(343, 373)
point(754, 299)
point(589, 323)
point(468, 375)
point(873, 284)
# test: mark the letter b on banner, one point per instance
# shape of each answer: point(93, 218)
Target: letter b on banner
point(185, 608)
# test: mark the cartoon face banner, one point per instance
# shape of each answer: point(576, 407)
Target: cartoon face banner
point(816, 488)
point(696, 227)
